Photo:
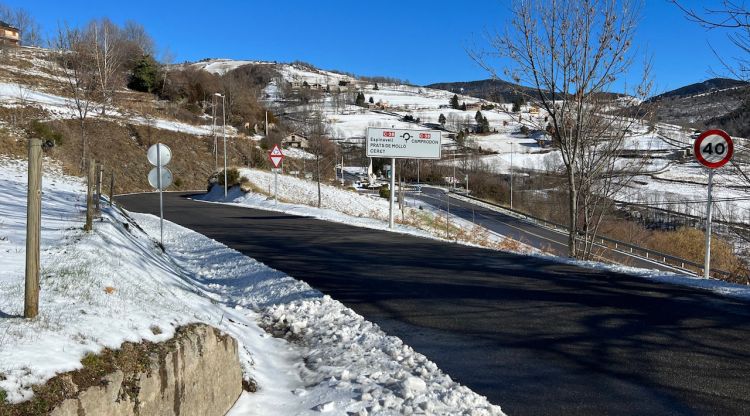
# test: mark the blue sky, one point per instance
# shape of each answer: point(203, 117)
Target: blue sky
point(420, 40)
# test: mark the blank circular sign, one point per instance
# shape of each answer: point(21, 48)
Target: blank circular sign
point(166, 178)
point(165, 154)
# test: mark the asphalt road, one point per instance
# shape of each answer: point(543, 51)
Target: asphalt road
point(534, 336)
point(518, 229)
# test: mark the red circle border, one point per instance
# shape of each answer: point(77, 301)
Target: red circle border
point(697, 146)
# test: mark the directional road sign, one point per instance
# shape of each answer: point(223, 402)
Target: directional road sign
point(276, 156)
point(713, 148)
point(403, 143)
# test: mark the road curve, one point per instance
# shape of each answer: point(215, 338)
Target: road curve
point(535, 336)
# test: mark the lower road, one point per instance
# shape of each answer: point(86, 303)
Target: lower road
point(534, 235)
point(535, 336)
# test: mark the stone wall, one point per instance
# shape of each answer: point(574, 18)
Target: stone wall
point(195, 373)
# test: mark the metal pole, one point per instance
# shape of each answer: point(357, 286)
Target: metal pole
point(707, 264)
point(33, 229)
point(266, 123)
point(392, 193)
point(417, 172)
point(342, 167)
point(511, 175)
point(453, 179)
point(275, 185)
point(224, 133)
point(447, 216)
point(213, 131)
point(161, 200)
point(467, 184)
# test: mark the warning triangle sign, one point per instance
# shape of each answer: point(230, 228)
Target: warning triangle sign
point(276, 156)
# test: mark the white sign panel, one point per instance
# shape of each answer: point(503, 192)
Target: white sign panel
point(403, 144)
point(165, 154)
point(166, 178)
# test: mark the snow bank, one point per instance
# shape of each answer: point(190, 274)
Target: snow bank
point(116, 284)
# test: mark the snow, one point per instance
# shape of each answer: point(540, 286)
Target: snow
point(299, 197)
point(115, 285)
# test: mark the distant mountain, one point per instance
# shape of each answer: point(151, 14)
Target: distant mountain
point(705, 87)
point(495, 90)
point(714, 103)
point(488, 89)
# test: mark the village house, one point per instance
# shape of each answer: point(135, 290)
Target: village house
point(295, 140)
point(9, 35)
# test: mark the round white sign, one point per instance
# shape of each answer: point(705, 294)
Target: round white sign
point(166, 178)
point(713, 148)
point(165, 154)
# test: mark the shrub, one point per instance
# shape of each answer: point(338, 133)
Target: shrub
point(39, 130)
point(233, 177)
point(3, 395)
point(384, 192)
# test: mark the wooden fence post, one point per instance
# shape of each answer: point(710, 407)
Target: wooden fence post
point(111, 188)
point(90, 195)
point(33, 229)
point(97, 201)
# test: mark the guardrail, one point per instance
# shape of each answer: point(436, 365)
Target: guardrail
point(616, 245)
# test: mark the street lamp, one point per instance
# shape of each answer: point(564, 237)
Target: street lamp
point(224, 134)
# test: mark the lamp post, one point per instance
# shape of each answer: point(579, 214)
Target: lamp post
point(224, 135)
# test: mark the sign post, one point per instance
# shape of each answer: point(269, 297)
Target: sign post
point(713, 149)
point(160, 177)
point(401, 144)
point(277, 158)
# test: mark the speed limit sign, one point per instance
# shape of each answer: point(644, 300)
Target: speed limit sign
point(713, 148)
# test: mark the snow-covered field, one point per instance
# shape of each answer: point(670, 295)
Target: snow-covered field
point(115, 284)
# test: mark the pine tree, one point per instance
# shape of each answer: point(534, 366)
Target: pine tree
point(376, 87)
point(463, 106)
point(454, 102)
point(144, 75)
point(441, 119)
point(360, 101)
point(372, 100)
point(478, 116)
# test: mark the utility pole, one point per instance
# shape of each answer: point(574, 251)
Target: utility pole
point(33, 229)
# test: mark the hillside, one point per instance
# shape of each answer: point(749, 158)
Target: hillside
point(487, 89)
point(714, 103)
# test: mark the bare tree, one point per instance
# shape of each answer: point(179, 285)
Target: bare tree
point(571, 52)
point(79, 76)
point(731, 15)
point(314, 128)
point(107, 51)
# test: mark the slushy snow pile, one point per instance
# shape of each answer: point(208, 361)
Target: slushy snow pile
point(116, 284)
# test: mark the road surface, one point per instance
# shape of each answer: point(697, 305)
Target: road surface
point(535, 336)
point(518, 229)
